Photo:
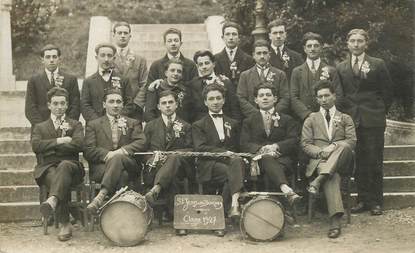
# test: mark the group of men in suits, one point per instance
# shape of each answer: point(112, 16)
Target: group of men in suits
point(226, 102)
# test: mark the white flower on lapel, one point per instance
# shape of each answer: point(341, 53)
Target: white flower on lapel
point(122, 124)
point(336, 120)
point(275, 117)
point(271, 76)
point(65, 127)
point(177, 128)
point(228, 129)
point(180, 97)
point(59, 80)
point(286, 59)
point(365, 69)
point(325, 75)
point(116, 82)
point(130, 60)
point(234, 69)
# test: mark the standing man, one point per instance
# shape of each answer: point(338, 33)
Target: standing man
point(281, 56)
point(305, 76)
point(57, 143)
point(367, 90)
point(232, 61)
point(36, 105)
point(329, 138)
point(261, 73)
point(130, 65)
point(110, 143)
point(106, 77)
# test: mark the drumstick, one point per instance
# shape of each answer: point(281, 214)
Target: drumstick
point(248, 194)
point(118, 193)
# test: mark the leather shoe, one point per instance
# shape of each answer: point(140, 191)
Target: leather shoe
point(359, 208)
point(334, 232)
point(219, 233)
point(376, 210)
point(181, 232)
point(234, 212)
point(65, 233)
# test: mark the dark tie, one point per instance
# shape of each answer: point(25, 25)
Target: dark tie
point(328, 118)
point(279, 53)
point(356, 69)
point(52, 79)
point(262, 74)
point(231, 54)
point(313, 67)
point(267, 123)
point(217, 115)
point(169, 133)
point(114, 133)
point(106, 71)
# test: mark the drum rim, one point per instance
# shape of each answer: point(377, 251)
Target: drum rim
point(245, 234)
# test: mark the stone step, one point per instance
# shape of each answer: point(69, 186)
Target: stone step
point(19, 193)
point(399, 168)
point(399, 152)
point(16, 177)
point(150, 44)
point(14, 132)
point(136, 28)
point(17, 161)
point(19, 211)
point(8, 146)
point(394, 200)
point(394, 184)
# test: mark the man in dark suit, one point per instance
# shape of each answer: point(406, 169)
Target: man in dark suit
point(281, 56)
point(216, 132)
point(367, 89)
point(36, 105)
point(206, 63)
point(273, 136)
point(232, 61)
point(130, 65)
point(110, 143)
point(168, 133)
point(329, 138)
point(305, 76)
point(57, 143)
point(106, 77)
point(262, 72)
point(173, 41)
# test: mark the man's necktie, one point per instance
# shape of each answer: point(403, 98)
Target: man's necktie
point(313, 67)
point(169, 133)
point(58, 123)
point(114, 134)
point(231, 55)
point(328, 118)
point(262, 74)
point(267, 122)
point(356, 69)
point(279, 53)
point(52, 79)
point(217, 115)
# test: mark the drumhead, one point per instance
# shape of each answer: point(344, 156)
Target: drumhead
point(262, 219)
point(123, 223)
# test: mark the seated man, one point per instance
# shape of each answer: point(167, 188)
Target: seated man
point(110, 142)
point(328, 138)
point(273, 135)
point(216, 132)
point(57, 142)
point(168, 133)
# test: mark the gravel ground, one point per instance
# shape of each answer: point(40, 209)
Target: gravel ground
point(392, 232)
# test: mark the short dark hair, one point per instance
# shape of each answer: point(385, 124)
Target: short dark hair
point(260, 43)
point(57, 91)
point(166, 93)
point(110, 91)
point(323, 84)
point(312, 36)
point(213, 87)
point(231, 24)
point(202, 53)
point(172, 31)
point(121, 23)
point(265, 86)
point(172, 61)
point(49, 47)
point(277, 22)
point(105, 44)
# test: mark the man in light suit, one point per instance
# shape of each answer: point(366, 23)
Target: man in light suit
point(232, 61)
point(216, 132)
point(273, 135)
point(329, 138)
point(262, 72)
point(57, 143)
point(367, 89)
point(281, 56)
point(130, 65)
point(110, 143)
point(305, 76)
point(36, 101)
point(106, 77)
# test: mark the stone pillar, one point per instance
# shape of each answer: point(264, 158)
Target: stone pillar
point(214, 30)
point(7, 80)
point(260, 31)
point(99, 31)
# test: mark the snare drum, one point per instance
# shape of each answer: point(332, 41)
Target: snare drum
point(125, 220)
point(262, 219)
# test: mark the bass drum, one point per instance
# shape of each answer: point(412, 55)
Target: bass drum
point(262, 219)
point(126, 219)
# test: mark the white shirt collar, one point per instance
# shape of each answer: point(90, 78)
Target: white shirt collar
point(53, 117)
point(54, 72)
point(276, 48)
point(125, 50)
point(316, 63)
point(175, 57)
point(100, 70)
point(165, 119)
point(360, 59)
point(270, 111)
point(332, 111)
point(210, 113)
point(111, 118)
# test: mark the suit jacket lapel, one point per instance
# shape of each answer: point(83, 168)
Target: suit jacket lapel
point(51, 129)
point(322, 124)
point(211, 125)
point(45, 80)
point(106, 126)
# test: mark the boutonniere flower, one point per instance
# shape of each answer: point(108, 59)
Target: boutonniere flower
point(325, 75)
point(275, 117)
point(234, 69)
point(218, 81)
point(177, 128)
point(270, 77)
point(180, 97)
point(286, 59)
point(130, 60)
point(59, 80)
point(365, 68)
point(122, 124)
point(116, 82)
point(64, 126)
point(228, 129)
point(337, 120)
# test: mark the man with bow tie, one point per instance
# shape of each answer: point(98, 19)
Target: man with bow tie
point(36, 101)
point(205, 64)
point(232, 61)
point(281, 56)
point(216, 132)
point(273, 135)
point(367, 89)
point(305, 76)
point(328, 138)
point(130, 65)
point(57, 143)
point(106, 77)
point(110, 143)
point(262, 72)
